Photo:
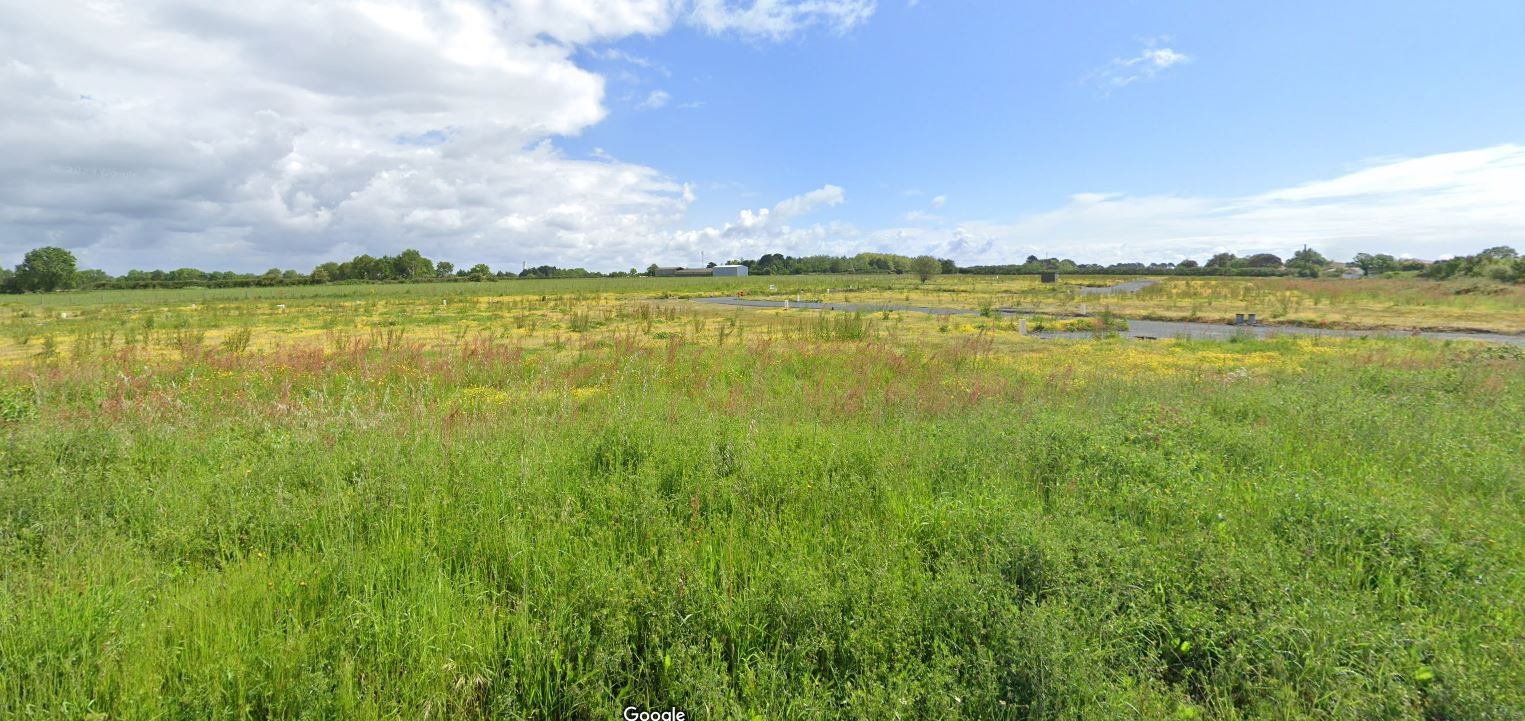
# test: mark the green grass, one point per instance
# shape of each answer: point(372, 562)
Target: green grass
point(840, 516)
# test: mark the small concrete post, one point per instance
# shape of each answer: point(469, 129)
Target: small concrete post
point(1238, 319)
point(1022, 326)
point(1252, 320)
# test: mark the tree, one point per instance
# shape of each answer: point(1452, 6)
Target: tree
point(444, 268)
point(1188, 263)
point(91, 277)
point(479, 272)
point(949, 267)
point(1375, 264)
point(1263, 260)
point(925, 266)
point(1221, 260)
point(46, 269)
point(1308, 263)
point(411, 265)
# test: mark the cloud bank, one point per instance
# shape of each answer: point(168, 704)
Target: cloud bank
point(285, 132)
point(1428, 207)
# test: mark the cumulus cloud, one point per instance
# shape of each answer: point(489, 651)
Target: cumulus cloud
point(939, 201)
point(1427, 207)
point(286, 132)
point(828, 195)
point(1150, 62)
point(766, 230)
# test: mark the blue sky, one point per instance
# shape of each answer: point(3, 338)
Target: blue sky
point(611, 133)
point(1007, 108)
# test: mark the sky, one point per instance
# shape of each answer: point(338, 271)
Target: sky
point(611, 134)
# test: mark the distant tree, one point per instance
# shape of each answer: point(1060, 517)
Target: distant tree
point(1308, 263)
point(925, 267)
point(479, 272)
point(91, 277)
point(1188, 263)
point(1263, 260)
point(949, 267)
point(8, 281)
point(411, 265)
point(46, 269)
point(1375, 264)
point(362, 267)
point(444, 268)
point(321, 274)
point(1221, 260)
point(651, 269)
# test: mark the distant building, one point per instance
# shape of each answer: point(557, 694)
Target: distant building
point(678, 271)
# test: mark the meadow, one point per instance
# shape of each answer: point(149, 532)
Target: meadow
point(556, 499)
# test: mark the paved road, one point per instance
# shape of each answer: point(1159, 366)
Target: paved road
point(1136, 328)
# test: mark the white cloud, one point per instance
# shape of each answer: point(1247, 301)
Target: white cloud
point(617, 55)
point(921, 216)
point(827, 195)
point(1426, 207)
point(779, 18)
point(765, 230)
point(287, 132)
point(654, 100)
point(1150, 62)
point(939, 201)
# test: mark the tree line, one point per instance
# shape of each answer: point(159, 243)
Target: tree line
point(52, 268)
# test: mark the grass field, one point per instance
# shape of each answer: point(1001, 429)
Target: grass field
point(555, 499)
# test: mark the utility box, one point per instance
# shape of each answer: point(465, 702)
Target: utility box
point(1048, 277)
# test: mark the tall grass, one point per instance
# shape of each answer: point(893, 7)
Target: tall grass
point(831, 521)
